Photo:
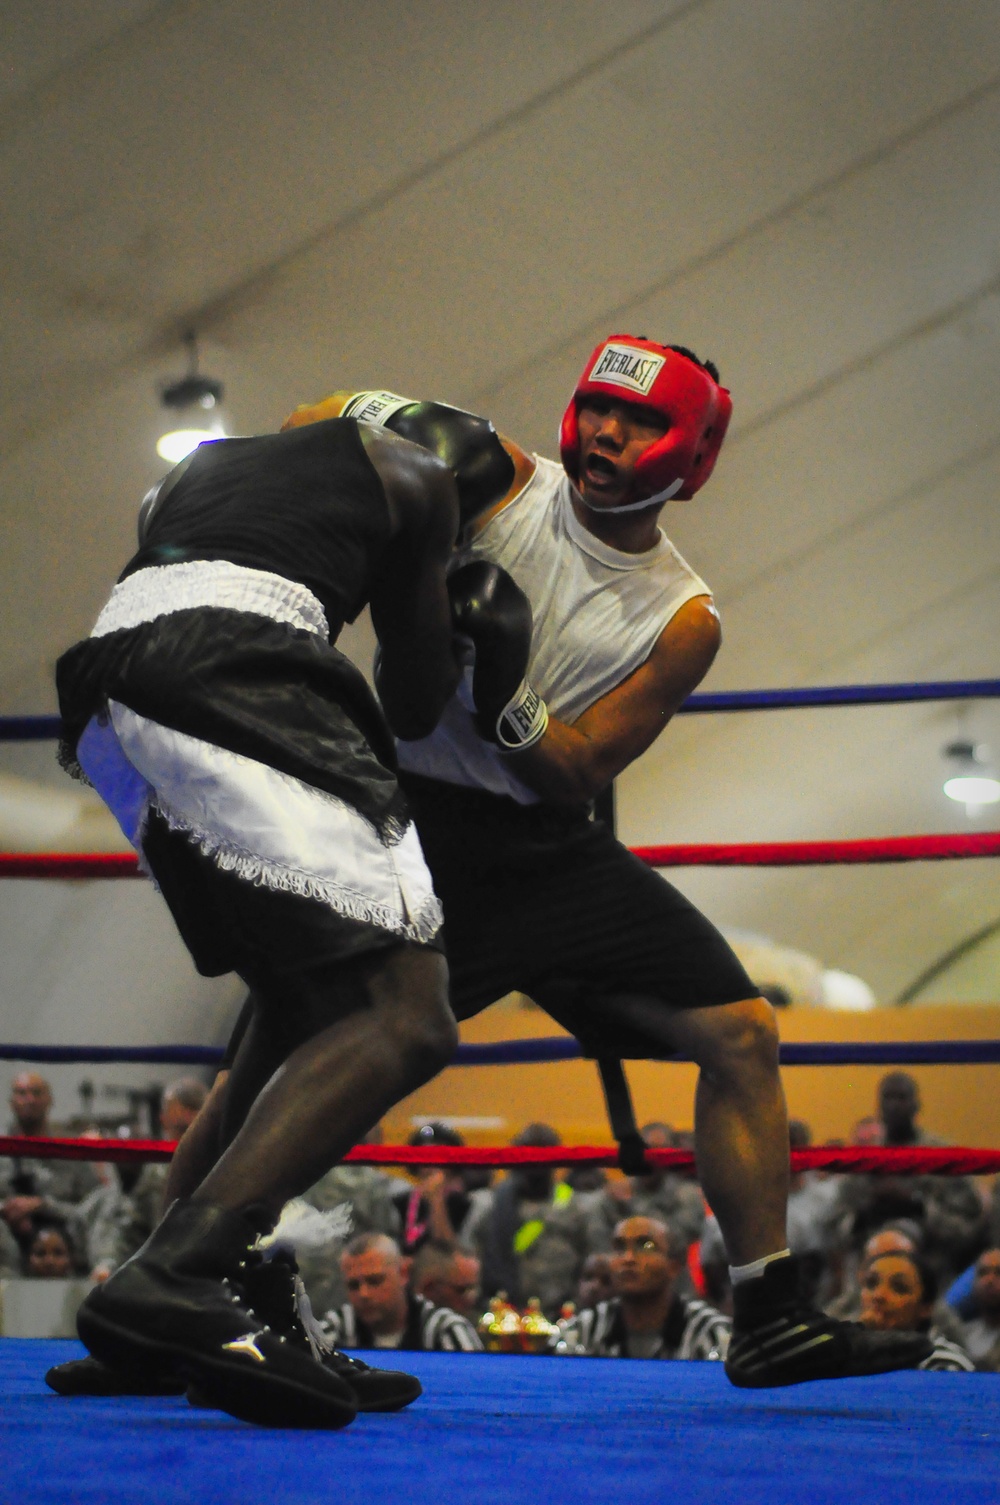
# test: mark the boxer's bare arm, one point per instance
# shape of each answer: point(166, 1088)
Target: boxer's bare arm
point(317, 412)
point(574, 763)
point(418, 672)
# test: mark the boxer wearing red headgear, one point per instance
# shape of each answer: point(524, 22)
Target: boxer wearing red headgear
point(665, 381)
point(541, 900)
point(589, 631)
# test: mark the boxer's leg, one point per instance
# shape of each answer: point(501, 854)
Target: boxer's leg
point(741, 1122)
point(655, 978)
point(332, 1086)
point(199, 1147)
point(383, 1026)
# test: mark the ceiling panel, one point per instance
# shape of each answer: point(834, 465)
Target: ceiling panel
point(48, 42)
point(202, 150)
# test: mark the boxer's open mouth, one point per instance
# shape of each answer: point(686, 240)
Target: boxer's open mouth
point(601, 468)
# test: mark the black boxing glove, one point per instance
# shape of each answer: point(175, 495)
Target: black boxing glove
point(495, 615)
point(470, 446)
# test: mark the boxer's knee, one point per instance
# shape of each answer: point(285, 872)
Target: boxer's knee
point(431, 1039)
point(738, 1038)
point(413, 994)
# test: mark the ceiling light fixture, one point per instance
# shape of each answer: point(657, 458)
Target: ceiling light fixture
point(194, 403)
point(972, 782)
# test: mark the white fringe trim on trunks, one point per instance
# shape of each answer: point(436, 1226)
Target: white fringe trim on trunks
point(166, 588)
point(265, 826)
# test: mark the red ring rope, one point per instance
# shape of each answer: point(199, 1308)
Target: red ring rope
point(935, 848)
point(933, 1160)
point(69, 865)
point(823, 853)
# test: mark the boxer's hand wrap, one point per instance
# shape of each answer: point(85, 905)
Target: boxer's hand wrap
point(494, 614)
point(468, 445)
point(523, 720)
point(375, 407)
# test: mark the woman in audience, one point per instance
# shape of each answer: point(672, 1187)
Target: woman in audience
point(50, 1253)
point(898, 1291)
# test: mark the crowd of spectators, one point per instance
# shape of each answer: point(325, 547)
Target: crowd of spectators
point(621, 1267)
point(66, 1218)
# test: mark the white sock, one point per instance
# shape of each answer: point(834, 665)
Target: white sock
point(755, 1267)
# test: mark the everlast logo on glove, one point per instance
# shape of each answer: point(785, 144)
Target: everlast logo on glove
point(622, 366)
point(375, 407)
point(523, 720)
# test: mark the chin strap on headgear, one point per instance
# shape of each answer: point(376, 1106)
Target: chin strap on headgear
point(628, 369)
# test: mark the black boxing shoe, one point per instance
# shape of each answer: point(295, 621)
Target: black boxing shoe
point(274, 1289)
point(780, 1340)
point(175, 1308)
point(90, 1377)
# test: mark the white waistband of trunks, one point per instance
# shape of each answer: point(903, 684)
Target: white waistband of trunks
point(165, 588)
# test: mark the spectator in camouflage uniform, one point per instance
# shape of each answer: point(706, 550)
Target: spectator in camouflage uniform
point(120, 1225)
point(947, 1209)
point(661, 1194)
point(32, 1188)
point(981, 1333)
point(530, 1236)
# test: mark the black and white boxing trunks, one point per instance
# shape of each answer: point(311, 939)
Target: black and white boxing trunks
point(229, 737)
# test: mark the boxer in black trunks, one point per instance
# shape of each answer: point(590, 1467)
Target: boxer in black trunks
point(256, 774)
point(540, 898)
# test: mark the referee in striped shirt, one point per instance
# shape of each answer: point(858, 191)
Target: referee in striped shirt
point(645, 1318)
point(382, 1312)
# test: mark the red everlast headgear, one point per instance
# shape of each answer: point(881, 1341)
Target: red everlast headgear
point(654, 376)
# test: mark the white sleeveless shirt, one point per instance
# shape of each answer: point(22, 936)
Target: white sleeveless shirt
point(597, 614)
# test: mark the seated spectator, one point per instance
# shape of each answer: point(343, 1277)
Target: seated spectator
point(713, 1261)
point(947, 1209)
point(896, 1238)
point(447, 1275)
point(671, 1198)
point(360, 1199)
point(898, 1292)
point(867, 1131)
point(116, 1234)
point(901, 1237)
point(50, 1253)
point(595, 1281)
point(10, 1253)
point(811, 1217)
point(382, 1313)
point(646, 1318)
point(588, 1184)
point(100, 1218)
point(30, 1187)
point(437, 1206)
point(586, 1180)
point(531, 1236)
point(898, 1107)
point(981, 1334)
point(812, 1203)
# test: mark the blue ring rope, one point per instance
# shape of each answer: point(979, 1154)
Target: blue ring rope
point(553, 1048)
point(30, 728)
point(781, 700)
point(44, 728)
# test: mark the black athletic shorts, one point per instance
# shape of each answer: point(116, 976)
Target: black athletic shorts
point(543, 900)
